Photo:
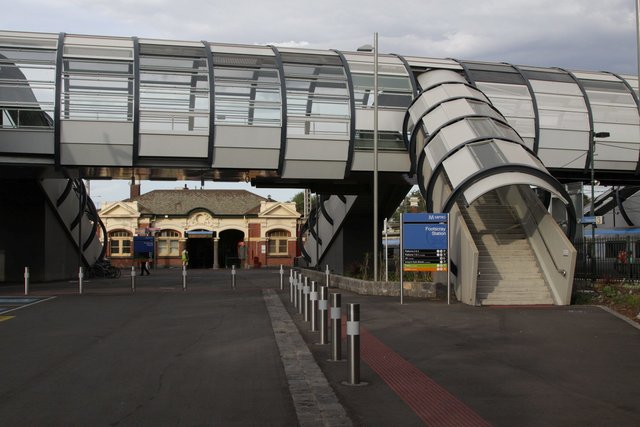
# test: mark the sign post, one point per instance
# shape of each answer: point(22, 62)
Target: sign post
point(143, 248)
point(424, 245)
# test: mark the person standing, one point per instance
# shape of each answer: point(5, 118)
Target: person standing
point(185, 258)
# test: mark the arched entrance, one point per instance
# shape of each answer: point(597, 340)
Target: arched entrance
point(228, 248)
point(200, 247)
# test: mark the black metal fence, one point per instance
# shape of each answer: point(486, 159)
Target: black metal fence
point(607, 259)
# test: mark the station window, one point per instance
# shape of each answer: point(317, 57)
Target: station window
point(28, 75)
point(120, 243)
point(395, 93)
point(168, 243)
point(278, 242)
point(97, 89)
point(487, 154)
point(317, 96)
point(247, 90)
point(174, 89)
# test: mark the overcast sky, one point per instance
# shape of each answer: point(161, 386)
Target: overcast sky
point(576, 34)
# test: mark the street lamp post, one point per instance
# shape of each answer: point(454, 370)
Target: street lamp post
point(374, 49)
point(375, 157)
point(593, 184)
point(638, 37)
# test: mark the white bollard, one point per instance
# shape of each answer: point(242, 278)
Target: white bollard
point(336, 327)
point(299, 294)
point(80, 277)
point(313, 306)
point(327, 273)
point(291, 276)
point(292, 287)
point(323, 308)
point(353, 342)
point(233, 276)
point(133, 279)
point(306, 293)
point(26, 280)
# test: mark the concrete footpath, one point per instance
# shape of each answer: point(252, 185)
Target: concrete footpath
point(217, 356)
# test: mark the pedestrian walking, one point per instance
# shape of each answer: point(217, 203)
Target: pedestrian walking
point(144, 267)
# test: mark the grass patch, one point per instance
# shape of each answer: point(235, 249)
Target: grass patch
point(623, 297)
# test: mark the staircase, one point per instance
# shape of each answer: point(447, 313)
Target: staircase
point(508, 270)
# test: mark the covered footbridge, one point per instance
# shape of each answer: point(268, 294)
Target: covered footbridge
point(490, 143)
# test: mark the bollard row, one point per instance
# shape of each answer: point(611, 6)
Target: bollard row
point(312, 302)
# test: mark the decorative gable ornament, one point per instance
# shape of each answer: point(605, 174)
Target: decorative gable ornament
point(200, 218)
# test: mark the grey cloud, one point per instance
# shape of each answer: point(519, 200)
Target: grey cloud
point(598, 34)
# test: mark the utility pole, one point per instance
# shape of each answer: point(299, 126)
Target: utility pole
point(375, 156)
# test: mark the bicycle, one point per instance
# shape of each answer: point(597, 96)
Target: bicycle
point(103, 268)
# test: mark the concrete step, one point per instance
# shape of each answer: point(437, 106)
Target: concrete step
point(487, 268)
point(515, 300)
point(508, 259)
point(492, 219)
point(509, 271)
point(505, 252)
point(526, 258)
point(489, 237)
point(489, 213)
point(496, 237)
point(488, 245)
point(538, 289)
point(498, 226)
point(492, 239)
point(513, 276)
point(486, 299)
point(510, 285)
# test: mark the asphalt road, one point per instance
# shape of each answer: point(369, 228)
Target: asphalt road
point(156, 358)
point(209, 356)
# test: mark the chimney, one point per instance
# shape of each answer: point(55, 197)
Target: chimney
point(134, 190)
point(413, 203)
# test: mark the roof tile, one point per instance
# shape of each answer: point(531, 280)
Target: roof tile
point(181, 202)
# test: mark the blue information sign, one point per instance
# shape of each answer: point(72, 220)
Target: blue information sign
point(142, 246)
point(425, 217)
point(424, 236)
point(425, 242)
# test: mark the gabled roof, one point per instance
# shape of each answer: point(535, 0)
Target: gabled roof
point(181, 202)
point(119, 209)
point(280, 210)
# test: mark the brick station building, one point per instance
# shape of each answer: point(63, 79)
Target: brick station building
point(219, 228)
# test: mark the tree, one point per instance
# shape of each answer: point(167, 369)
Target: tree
point(298, 199)
point(405, 205)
